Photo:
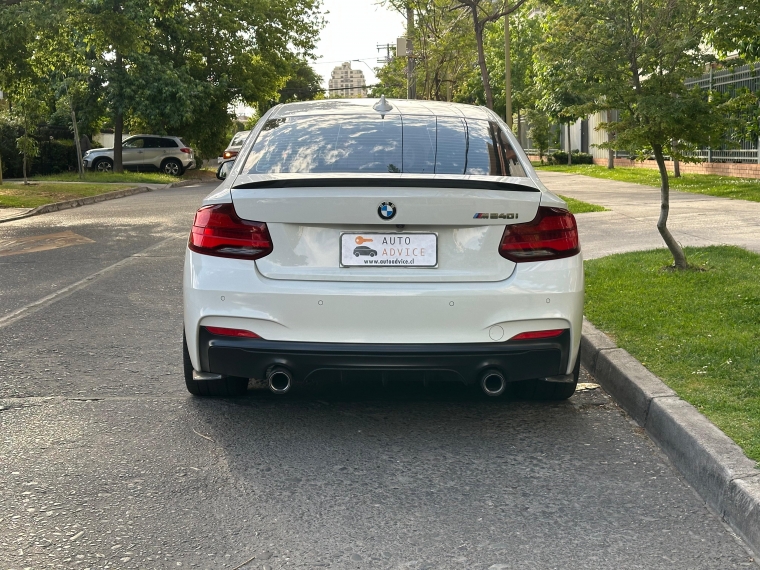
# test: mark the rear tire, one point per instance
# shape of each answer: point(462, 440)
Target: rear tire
point(227, 386)
point(552, 391)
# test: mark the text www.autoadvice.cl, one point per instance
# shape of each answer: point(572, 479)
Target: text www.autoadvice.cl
point(389, 261)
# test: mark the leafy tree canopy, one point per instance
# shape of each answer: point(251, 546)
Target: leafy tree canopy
point(165, 66)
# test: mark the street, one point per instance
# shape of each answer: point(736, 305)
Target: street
point(107, 462)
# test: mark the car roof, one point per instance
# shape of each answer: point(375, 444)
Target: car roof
point(364, 106)
point(155, 136)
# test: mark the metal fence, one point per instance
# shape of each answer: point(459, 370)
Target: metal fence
point(727, 81)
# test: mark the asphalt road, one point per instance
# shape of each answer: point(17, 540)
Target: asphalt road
point(107, 462)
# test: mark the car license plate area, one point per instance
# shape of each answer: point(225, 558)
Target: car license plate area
point(389, 250)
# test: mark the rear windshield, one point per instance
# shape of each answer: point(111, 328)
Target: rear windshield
point(239, 138)
point(369, 144)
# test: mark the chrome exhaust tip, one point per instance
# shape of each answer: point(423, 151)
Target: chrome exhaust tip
point(279, 380)
point(493, 383)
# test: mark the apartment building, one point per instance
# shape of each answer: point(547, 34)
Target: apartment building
point(346, 82)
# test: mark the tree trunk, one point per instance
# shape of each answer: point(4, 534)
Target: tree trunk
point(78, 143)
point(118, 126)
point(508, 75)
point(676, 163)
point(569, 148)
point(118, 130)
point(24, 169)
point(411, 77)
point(519, 127)
point(610, 138)
point(662, 224)
point(1, 170)
point(482, 58)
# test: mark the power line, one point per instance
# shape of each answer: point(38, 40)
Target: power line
point(344, 60)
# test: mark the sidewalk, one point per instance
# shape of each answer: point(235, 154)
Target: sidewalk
point(631, 223)
point(13, 213)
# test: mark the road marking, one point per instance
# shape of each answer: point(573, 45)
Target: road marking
point(48, 300)
point(17, 246)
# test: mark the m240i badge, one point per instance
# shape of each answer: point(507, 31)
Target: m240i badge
point(497, 216)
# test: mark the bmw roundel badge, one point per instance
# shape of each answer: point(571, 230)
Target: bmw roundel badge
point(387, 210)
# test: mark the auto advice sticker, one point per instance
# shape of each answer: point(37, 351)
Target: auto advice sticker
point(388, 250)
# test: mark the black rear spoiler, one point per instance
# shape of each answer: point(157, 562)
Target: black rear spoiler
point(386, 183)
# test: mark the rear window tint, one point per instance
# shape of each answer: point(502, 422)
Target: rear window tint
point(376, 144)
point(168, 143)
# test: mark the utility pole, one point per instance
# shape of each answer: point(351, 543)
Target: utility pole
point(389, 49)
point(507, 73)
point(411, 81)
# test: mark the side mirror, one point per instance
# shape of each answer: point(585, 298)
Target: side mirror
point(224, 169)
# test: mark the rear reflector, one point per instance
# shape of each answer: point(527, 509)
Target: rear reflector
point(229, 153)
point(217, 230)
point(552, 234)
point(532, 335)
point(221, 331)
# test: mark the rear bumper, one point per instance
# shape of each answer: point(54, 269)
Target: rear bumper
point(517, 360)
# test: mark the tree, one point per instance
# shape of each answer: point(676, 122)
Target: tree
point(736, 27)
point(634, 57)
point(562, 97)
point(539, 131)
point(482, 13)
point(391, 80)
point(28, 109)
point(165, 66)
point(443, 46)
point(526, 34)
point(303, 84)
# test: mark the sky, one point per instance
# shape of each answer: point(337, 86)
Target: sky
point(353, 30)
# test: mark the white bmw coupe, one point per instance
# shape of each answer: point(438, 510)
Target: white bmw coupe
point(392, 235)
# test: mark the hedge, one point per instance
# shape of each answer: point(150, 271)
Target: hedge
point(56, 155)
point(560, 158)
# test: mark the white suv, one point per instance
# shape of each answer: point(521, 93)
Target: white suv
point(359, 235)
point(169, 155)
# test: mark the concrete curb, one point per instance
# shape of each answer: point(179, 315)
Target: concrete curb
point(66, 204)
point(709, 460)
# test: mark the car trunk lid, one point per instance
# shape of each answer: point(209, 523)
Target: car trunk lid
point(307, 216)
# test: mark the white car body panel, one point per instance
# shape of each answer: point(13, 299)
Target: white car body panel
point(233, 293)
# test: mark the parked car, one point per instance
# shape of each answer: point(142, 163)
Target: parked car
point(477, 269)
point(234, 147)
point(169, 155)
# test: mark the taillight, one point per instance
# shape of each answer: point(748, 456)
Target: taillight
point(217, 230)
point(186, 150)
point(532, 335)
point(229, 154)
point(223, 331)
point(552, 234)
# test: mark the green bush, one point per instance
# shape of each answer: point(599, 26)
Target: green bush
point(12, 160)
point(559, 158)
point(55, 156)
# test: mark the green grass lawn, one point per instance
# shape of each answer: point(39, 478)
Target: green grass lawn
point(698, 330)
point(16, 195)
point(103, 177)
point(710, 184)
point(581, 207)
